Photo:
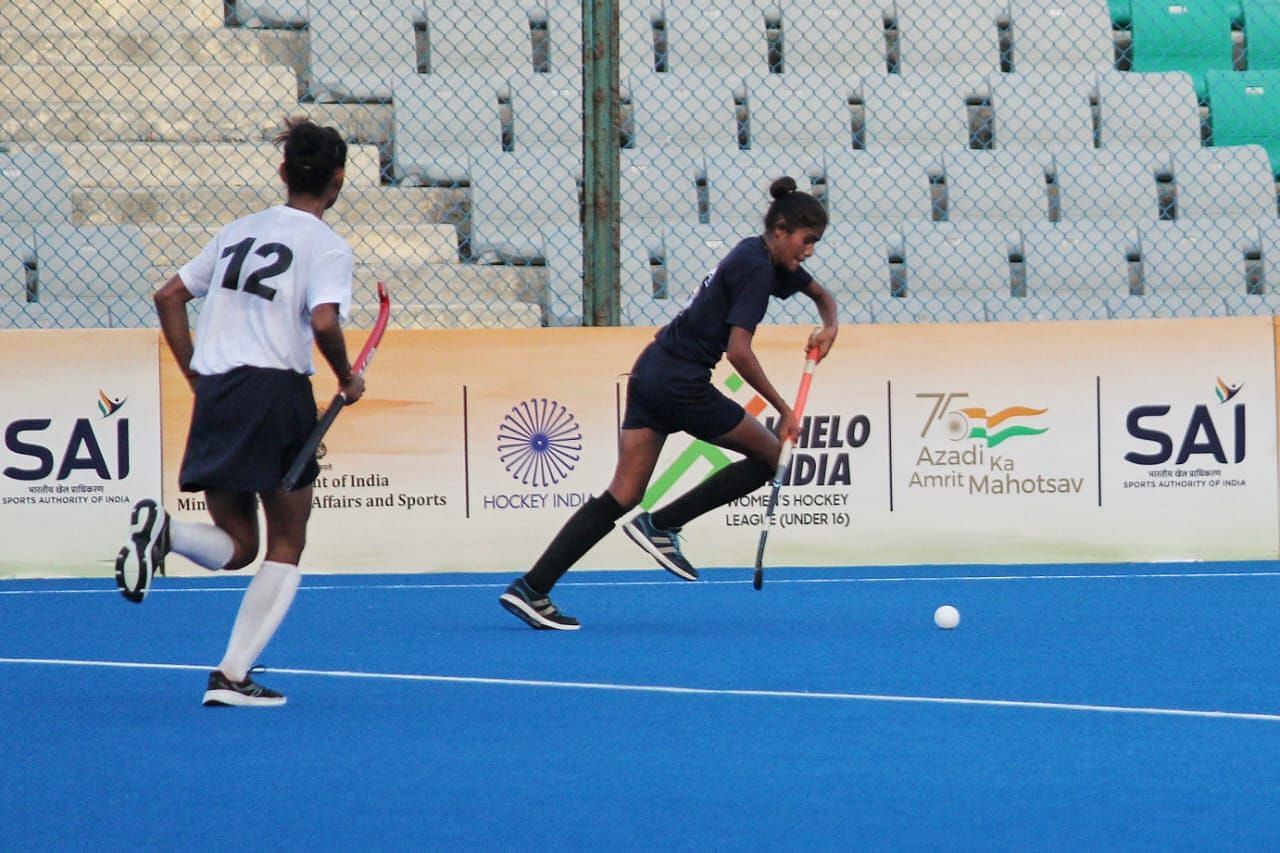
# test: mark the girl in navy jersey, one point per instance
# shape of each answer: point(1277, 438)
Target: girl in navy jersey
point(670, 390)
point(272, 283)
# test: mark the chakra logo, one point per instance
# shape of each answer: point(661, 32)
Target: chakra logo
point(539, 442)
point(109, 405)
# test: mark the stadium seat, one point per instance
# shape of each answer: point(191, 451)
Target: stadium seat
point(831, 40)
point(355, 50)
point(1085, 257)
point(659, 188)
point(1117, 185)
point(1199, 258)
point(562, 48)
point(1157, 110)
point(1244, 109)
point(959, 258)
point(712, 35)
point(865, 186)
point(853, 262)
point(944, 36)
point(1039, 111)
point(546, 113)
point(995, 185)
point(1224, 183)
point(272, 14)
point(513, 197)
point(493, 36)
point(1252, 305)
point(738, 181)
point(682, 110)
point(17, 256)
point(919, 111)
point(1187, 35)
point(690, 254)
point(1069, 36)
point(440, 120)
point(638, 303)
point(109, 260)
point(928, 308)
point(1269, 238)
point(787, 110)
point(1261, 19)
point(54, 313)
point(1165, 305)
point(34, 188)
point(1050, 305)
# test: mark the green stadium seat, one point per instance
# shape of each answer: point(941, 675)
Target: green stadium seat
point(1121, 13)
point(1261, 33)
point(1244, 109)
point(1182, 35)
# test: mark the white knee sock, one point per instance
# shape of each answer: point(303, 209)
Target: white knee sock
point(265, 602)
point(206, 545)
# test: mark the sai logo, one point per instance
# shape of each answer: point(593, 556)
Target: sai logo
point(539, 442)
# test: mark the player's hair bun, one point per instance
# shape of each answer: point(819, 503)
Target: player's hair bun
point(783, 187)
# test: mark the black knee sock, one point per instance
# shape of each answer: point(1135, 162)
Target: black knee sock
point(728, 484)
point(591, 523)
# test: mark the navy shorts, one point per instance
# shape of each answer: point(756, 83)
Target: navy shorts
point(669, 394)
point(246, 428)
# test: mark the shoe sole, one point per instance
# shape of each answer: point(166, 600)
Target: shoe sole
point(143, 533)
point(649, 548)
point(516, 605)
point(220, 698)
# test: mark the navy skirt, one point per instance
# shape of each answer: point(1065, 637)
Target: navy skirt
point(669, 394)
point(246, 428)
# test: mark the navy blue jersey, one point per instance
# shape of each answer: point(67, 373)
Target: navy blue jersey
point(735, 293)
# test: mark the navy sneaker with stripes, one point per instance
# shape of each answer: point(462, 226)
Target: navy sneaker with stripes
point(142, 557)
point(662, 545)
point(223, 692)
point(535, 609)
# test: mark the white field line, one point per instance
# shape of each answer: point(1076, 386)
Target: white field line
point(166, 587)
point(685, 691)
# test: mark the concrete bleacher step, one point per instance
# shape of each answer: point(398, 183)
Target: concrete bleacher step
point(184, 164)
point(144, 102)
point(219, 205)
point(390, 246)
point(454, 282)
point(451, 315)
point(178, 45)
point(157, 85)
point(40, 14)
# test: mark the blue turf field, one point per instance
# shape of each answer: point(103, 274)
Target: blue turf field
point(1127, 708)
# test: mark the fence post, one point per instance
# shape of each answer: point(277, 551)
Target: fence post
point(600, 162)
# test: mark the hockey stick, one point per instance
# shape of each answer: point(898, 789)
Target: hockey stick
point(308, 450)
point(784, 463)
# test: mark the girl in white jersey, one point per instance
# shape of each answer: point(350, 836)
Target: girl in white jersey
point(272, 283)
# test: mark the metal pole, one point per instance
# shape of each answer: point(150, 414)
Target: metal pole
point(600, 162)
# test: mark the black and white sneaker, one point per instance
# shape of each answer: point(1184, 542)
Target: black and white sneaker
point(223, 692)
point(662, 545)
point(142, 557)
point(536, 610)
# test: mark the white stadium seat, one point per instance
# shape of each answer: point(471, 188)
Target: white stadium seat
point(514, 197)
point(440, 121)
point(1140, 110)
point(1116, 184)
point(1224, 183)
point(356, 49)
point(993, 185)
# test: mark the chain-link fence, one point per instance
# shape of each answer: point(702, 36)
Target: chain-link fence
point(985, 160)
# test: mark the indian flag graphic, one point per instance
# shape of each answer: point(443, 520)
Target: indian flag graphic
point(994, 428)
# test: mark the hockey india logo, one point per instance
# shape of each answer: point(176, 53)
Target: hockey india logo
point(539, 442)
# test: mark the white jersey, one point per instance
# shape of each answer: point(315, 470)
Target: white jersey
point(260, 278)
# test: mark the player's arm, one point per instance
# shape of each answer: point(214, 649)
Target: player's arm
point(744, 361)
point(326, 326)
point(830, 313)
point(171, 307)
